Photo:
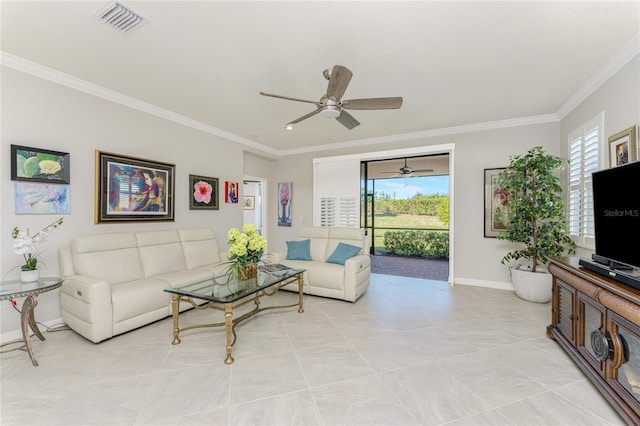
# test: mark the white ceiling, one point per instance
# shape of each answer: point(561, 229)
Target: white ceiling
point(203, 63)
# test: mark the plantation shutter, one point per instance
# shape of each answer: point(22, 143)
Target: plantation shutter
point(584, 156)
point(336, 193)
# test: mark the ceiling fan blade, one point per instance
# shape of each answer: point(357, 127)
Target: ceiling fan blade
point(422, 170)
point(347, 120)
point(373, 103)
point(338, 82)
point(289, 98)
point(304, 117)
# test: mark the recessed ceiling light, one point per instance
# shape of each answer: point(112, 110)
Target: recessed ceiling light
point(289, 127)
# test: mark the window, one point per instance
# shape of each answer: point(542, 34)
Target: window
point(584, 158)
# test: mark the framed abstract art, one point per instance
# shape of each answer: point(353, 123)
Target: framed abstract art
point(130, 189)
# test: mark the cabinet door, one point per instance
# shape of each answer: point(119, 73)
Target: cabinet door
point(590, 321)
point(623, 369)
point(565, 310)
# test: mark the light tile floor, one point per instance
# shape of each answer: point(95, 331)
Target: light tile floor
point(409, 352)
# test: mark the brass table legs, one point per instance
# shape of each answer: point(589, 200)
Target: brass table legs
point(229, 322)
point(228, 325)
point(175, 310)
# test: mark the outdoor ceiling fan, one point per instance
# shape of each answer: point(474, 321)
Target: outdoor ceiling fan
point(331, 104)
point(406, 171)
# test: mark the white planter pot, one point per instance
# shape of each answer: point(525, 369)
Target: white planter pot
point(29, 276)
point(532, 286)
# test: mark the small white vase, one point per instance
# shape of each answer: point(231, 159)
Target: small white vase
point(29, 276)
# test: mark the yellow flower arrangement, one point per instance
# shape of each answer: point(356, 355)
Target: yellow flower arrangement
point(245, 247)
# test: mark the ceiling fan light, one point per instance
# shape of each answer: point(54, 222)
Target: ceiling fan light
point(330, 111)
point(289, 126)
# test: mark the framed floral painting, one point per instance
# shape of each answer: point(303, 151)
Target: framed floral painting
point(204, 193)
point(130, 189)
point(41, 198)
point(495, 204)
point(285, 197)
point(39, 165)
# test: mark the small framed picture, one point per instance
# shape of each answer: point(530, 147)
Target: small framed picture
point(249, 202)
point(231, 192)
point(39, 165)
point(623, 147)
point(203, 193)
point(130, 189)
point(495, 204)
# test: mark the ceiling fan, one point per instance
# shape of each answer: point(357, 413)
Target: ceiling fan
point(331, 104)
point(406, 171)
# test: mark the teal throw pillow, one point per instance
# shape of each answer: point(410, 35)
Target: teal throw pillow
point(342, 253)
point(299, 250)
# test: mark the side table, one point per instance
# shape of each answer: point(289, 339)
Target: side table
point(13, 289)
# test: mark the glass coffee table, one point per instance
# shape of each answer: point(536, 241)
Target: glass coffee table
point(225, 293)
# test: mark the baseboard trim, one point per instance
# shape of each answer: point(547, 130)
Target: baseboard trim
point(16, 335)
point(499, 285)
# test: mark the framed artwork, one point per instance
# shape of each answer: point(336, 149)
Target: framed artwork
point(39, 165)
point(41, 198)
point(284, 204)
point(231, 192)
point(130, 189)
point(249, 202)
point(495, 204)
point(623, 147)
point(203, 193)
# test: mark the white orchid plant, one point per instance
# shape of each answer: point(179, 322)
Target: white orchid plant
point(27, 245)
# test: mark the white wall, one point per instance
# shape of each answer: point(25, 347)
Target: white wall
point(477, 259)
point(41, 114)
point(619, 98)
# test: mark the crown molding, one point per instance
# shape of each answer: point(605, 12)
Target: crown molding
point(425, 134)
point(37, 70)
point(621, 58)
point(612, 66)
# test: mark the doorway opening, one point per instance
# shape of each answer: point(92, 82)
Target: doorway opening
point(254, 203)
point(405, 212)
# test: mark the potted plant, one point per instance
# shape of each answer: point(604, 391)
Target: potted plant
point(27, 246)
point(536, 219)
point(246, 248)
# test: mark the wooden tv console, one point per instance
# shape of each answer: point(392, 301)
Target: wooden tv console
point(596, 320)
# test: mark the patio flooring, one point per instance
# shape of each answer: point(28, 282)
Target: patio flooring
point(430, 269)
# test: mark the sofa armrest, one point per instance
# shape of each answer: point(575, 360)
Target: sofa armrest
point(86, 306)
point(355, 264)
point(357, 276)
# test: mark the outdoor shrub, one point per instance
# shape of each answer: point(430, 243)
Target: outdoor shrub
point(417, 243)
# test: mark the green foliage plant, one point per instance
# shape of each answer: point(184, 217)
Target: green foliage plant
point(421, 243)
point(536, 214)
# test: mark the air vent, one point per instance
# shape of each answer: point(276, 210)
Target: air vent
point(121, 17)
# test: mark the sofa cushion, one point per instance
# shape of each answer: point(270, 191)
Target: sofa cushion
point(299, 250)
point(138, 297)
point(200, 247)
point(319, 236)
point(342, 253)
point(111, 257)
point(160, 252)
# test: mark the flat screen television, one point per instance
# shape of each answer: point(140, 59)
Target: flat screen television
point(616, 214)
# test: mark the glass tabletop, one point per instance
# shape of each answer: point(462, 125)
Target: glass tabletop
point(226, 289)
point(15, 288)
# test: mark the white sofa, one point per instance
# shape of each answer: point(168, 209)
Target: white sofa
point(115, 282)
point(347, 282)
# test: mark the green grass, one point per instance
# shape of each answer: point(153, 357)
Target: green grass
point(409, 221)
point(403, 221)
